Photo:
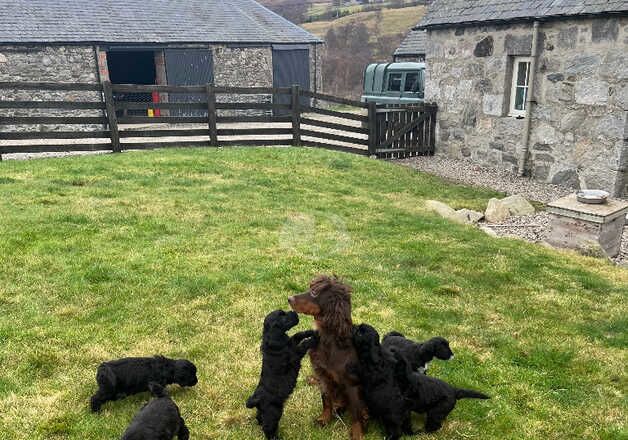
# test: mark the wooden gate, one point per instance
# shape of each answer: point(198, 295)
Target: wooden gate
point(405, 130)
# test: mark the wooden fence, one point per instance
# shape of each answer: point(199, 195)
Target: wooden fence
point(88, 117)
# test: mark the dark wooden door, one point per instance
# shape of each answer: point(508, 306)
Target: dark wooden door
point(188, 67)
point(290, 67)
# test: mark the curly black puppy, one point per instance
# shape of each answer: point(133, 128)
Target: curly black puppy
point(281, 362)
point(123, 377)
point(419, 355)
point(382, 393)
point(429, 395)
point(159, 419)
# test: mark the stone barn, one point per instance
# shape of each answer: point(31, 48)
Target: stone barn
point(537, 87)
point(183, 42)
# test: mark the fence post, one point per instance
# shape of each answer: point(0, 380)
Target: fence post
point(372, 117)
point(433, 121)
point(211, 115)
point(296, 116)
point(111, 117)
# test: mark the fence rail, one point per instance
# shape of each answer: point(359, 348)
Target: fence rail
point(99, 117)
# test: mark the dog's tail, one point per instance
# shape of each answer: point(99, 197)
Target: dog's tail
point(461, 393)
point(157, 390)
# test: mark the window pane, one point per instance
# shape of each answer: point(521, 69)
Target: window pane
point(412, 82)
point(520, 98)
point(522, 73)
point(394, 82)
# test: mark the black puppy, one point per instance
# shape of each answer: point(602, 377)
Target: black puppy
point(418, 355)
point(429, 395)
point(123, 377)
point(159, 419)
point(382, 393)
point(281, 362)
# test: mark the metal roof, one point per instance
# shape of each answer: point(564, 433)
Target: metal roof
point(414, 44)
point(453, 12)
point(141, 21)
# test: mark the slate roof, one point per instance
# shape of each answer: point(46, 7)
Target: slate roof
point(142, 21)
point(413, 44)
point(452, 12)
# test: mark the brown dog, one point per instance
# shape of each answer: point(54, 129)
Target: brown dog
point(329, 301)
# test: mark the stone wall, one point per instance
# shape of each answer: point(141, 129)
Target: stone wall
point(579, 124)
point(48, 64)
point(253, 67)
point(233, 67)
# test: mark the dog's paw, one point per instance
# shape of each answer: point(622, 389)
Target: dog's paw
point(322, 420)
point(313, 380)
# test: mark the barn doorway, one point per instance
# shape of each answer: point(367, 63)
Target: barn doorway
point(291, 66)
point(132, 67)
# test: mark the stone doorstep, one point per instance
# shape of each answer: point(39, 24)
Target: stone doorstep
point(569, 206)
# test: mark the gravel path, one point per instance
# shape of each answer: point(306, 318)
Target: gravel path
point(534, 228)
point(469, 173)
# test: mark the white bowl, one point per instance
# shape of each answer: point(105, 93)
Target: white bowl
point(592, 196)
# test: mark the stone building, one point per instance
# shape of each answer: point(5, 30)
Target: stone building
point(412, 48)
point(227, 42)
point(557, 113)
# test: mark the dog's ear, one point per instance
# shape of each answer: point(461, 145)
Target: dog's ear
point(337, 316)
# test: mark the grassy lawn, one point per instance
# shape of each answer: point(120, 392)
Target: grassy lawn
point(183, 252)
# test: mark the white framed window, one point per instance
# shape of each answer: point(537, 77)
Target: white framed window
point(520, 85)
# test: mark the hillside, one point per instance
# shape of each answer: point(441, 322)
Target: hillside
point(394, 22)
point(356, 40)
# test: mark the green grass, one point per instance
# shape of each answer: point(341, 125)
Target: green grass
point(183, 252)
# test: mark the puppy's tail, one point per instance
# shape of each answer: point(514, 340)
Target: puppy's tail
point(393, 333)
point(252, 401)
point(461, 393)
point(157, 390)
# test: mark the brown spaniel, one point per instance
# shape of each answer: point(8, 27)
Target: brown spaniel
point(328, 300)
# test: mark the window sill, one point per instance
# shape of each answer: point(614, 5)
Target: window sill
point(516, 116)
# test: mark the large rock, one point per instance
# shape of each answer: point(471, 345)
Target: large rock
point(517, 205)
point(463, 216)
point(496, 212)
point(469, 216)
point(440, 208)
point(499, 210)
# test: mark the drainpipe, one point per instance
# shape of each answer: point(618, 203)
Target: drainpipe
point(529, 98)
